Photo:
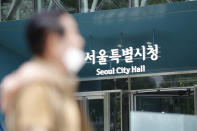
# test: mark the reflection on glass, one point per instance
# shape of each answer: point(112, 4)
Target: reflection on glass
point(89, 86)
point(27, 7)
point(114, 4)
point(71, 6)
point(125, 111)
point(164, 81)
point(146, 121)
point(142, 83)
point(121, 84)
point(107, 84)
point(96, 113)
point(166, 104)
point(23, 11)
point(152, 2)
point(180, 80)
point(99, 85)
point(115, 112)
point(150, 82)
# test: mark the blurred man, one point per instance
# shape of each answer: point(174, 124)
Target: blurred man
point(39, 96)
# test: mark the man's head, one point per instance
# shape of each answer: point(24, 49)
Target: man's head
point(52, 34)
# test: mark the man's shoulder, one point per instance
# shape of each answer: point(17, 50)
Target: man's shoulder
point(34, 90)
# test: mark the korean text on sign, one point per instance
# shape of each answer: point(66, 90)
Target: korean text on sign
point(128, 55)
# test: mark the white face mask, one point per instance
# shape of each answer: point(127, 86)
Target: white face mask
point(73, 59)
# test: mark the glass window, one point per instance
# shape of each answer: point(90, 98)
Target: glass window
point(115, 112)
point(89, 86)
point(99, 85)
point(142, 83)
point(164, 81)
point(125, 111)
point(121, 84)
point(96, 113)
point(150, 82)
point(166, 104)
point(146, 121)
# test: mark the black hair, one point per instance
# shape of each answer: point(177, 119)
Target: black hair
point(38, 27)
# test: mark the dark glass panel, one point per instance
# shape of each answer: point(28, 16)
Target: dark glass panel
point(125, 111)
point(168, 104)
point(89, 86)
point(96, 113)
point(164, 81)
point(115, 112)
point(122, 83)
point(99, 85)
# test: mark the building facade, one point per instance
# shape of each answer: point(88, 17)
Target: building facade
point(137, 59)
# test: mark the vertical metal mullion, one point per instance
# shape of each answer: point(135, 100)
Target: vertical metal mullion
point(132, 102)
point(0, 10)
point(79, 1)
point(34, 5)
point(107, 111)
point(85, 108)
point(39, 5)
point(121, 110)
point(129, 83)
point(129, 3)
point(130, 95)
point(195, 99)
point(18, 14)
point(115, 83)
point(132, 108)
